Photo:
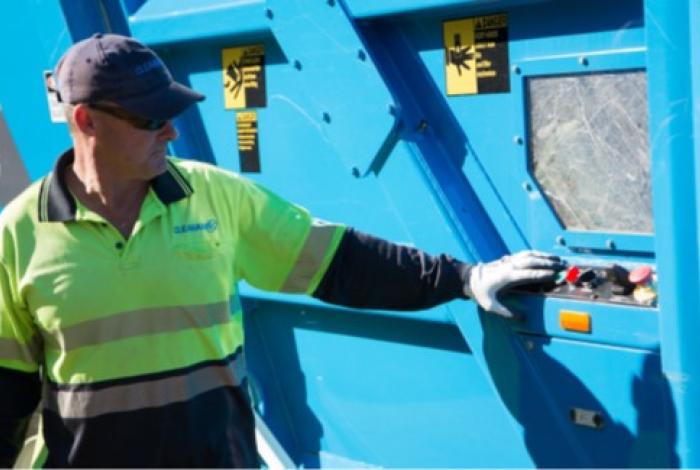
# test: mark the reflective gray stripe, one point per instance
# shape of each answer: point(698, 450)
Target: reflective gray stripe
point(139, 322)
point(26, 352)
point(13, 174)
point(147, 394)
point(311, 256)
point(44, 198)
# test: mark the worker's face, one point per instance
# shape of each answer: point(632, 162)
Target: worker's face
point(127, 150)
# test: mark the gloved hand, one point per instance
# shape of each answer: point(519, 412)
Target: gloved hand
point(488, 280)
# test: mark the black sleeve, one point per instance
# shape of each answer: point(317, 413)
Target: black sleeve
point(19, 396)
point(368, 272)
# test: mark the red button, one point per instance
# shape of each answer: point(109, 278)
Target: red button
point(640, 275)
point(572, 274)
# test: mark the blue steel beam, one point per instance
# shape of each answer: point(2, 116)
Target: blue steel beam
point(372, 8)
point(673, 92)
point(87, 17)
point(160, 23)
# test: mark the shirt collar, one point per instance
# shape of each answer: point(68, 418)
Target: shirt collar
point(57, 204)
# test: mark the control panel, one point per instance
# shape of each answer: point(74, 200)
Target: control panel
point(613, 284)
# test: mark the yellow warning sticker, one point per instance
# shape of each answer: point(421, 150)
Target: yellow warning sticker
point(248, 152)
point(476, 55)
point(244, 76)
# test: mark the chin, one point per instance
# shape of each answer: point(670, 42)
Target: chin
point(159, 165)
point(148, 172)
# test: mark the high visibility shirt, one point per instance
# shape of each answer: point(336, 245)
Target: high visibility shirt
point(140, 339)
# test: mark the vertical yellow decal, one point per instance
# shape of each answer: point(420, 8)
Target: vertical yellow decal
point(248, 143)
point(243, 70)
point(460, 57)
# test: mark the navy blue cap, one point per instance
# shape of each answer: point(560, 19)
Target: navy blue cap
point(119, 69)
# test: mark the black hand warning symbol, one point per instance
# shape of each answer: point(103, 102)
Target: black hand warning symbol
point(459, 55)
point(235, 72)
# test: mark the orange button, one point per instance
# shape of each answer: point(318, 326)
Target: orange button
point(575, 321)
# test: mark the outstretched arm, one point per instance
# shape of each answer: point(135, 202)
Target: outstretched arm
point(368, 272)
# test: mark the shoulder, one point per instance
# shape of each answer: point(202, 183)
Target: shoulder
point(18, 219)
point(199, 171)
point(205, 178)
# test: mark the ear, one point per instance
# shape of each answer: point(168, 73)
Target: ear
point(83, 119)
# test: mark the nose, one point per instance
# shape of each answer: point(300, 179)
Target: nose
point(168, 132)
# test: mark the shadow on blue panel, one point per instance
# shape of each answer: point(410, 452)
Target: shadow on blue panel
point(429, 123)
point(273, 393)
point(542, 394)
point(273, 356)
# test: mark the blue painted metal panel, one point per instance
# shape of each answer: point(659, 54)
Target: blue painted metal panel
point(673, 95)
point(623, 385)
point(358, 128)
point(372, 9)
point(611, 323)
point(22, 95)
point(84, 18)
point(368, 391)
point(161, 22)
point(522, 218)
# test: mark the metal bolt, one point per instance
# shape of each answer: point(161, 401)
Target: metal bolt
point(610, 244)
point(422, 126)
point(327, 118)
point(518, 140)
point(583, 60)
point(516, 70)
point(269, 13)
point(297, 65)
point(361, 55)
point(527, 186)
point(560, 240)
point(529, 345)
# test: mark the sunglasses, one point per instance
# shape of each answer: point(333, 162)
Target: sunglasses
point(138, 122)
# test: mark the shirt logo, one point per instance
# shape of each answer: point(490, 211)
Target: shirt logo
point(210, 226)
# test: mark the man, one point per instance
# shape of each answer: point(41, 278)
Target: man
point(116, 272)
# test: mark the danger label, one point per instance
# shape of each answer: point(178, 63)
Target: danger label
point(244, 77)
point(476, 55)
point(248, 149)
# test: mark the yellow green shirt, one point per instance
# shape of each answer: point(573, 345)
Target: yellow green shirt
point(136, 331)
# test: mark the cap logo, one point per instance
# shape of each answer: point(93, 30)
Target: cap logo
point(150, 65)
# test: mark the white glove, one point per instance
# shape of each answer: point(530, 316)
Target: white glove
point(488, 280)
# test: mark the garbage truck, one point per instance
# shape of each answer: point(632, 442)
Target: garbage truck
point(472, 127)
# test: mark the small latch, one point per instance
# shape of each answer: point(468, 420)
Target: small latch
point(587, 418)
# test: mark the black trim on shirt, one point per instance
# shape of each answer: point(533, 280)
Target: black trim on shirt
point(19, 396)
point(237, 355)
point(170, 188)
point(215, 429)
point(57, 204)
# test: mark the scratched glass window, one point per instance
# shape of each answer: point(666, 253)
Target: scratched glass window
point(589, 149)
